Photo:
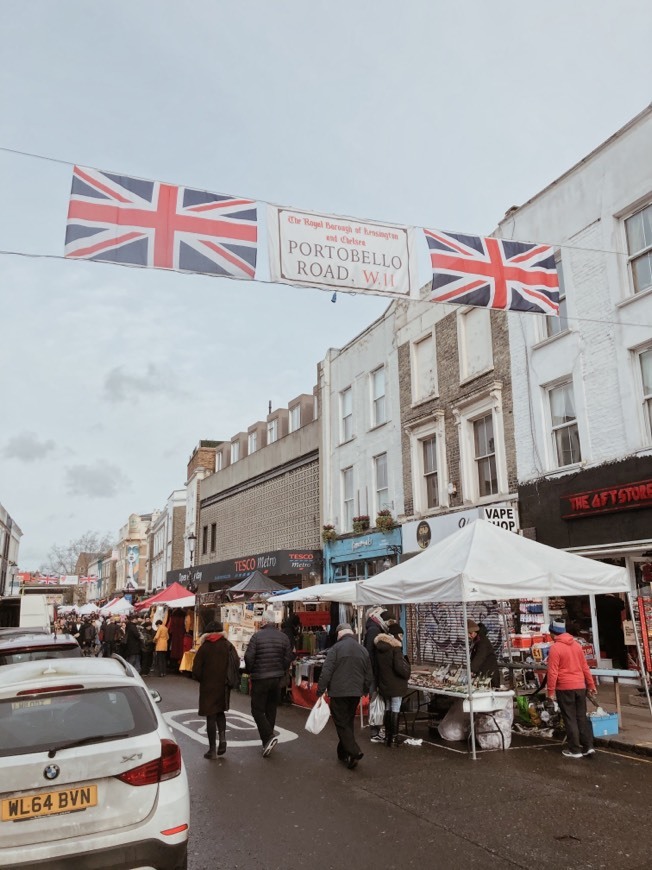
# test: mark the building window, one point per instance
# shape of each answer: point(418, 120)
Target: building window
point(485, 455)
point(235, 451)
point(378, 397)
point(272, 431)
point(424, 369)
point(346, 414)
point(252, 442)
point(565, 434)
point(213, 536)
point(380, 474)
point(347, 499)
point(639, 247)
point(557, 325)
point(219, 460)
point(474, 342)
point(430, 472)
point(204, 540)
point(646, 378)
point(428, 461)
point(295, 418)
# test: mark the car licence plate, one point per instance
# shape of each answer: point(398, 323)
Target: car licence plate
point(48, 803)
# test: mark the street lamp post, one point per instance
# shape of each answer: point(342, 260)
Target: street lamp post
point(192, 540)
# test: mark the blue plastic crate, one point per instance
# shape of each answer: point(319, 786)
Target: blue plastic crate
point(604, 725)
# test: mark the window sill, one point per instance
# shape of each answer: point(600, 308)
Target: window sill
point(549, 339)
point(378, 426)
point(418, 403)
point(644, 294)
point(564, 470)
point(470, 378)
point(348, 441)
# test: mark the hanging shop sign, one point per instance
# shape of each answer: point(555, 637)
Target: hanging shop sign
point(318, 250)
point(276, 563)
point(503, 515)
point(608, 499)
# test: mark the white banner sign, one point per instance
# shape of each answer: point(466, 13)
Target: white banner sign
point(317, 250)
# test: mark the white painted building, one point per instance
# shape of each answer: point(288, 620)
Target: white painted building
point(360, 457)
point(162, 539)
point(583, 383)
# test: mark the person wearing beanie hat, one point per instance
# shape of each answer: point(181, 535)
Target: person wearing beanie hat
point(267, 659)
point(569, 678)
point(346, 675)
point(376, 624)
point(217, 667)
point(393, 675)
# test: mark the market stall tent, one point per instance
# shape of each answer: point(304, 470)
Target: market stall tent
point(483, 562)
point(174, 595)
point(117, 608)
point(345, 593)
point(255, 583)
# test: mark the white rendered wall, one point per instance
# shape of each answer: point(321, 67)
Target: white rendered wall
point(351, 367)
point(583, 213)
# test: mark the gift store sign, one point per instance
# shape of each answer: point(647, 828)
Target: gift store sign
point(310, 249)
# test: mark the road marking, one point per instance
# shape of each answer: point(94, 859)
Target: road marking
point(239, 726)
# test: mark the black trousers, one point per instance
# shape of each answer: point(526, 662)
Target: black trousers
point(343, 713)
point(213, 723)
point(265, 698)
point(572, 706)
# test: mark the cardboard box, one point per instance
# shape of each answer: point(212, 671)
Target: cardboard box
point(604, 725)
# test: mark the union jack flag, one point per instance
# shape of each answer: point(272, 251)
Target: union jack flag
point(493, 273)
point(148, 223)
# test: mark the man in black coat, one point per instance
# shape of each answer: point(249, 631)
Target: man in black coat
point(346, 676)
point(267, 658)
point(132, 642)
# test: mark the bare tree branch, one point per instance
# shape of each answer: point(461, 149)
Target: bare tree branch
point(62, 558)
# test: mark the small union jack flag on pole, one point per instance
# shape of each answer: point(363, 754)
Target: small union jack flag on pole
point(135, 222)
point(493, 273)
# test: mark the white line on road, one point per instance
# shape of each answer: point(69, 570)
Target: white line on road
point(192, 725)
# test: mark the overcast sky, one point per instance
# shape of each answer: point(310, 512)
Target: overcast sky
point(438, 114)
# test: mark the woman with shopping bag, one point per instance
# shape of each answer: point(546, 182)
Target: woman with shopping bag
point(393, 670)
point(346, 675)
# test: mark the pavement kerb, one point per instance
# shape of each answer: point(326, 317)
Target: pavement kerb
point(623, 746)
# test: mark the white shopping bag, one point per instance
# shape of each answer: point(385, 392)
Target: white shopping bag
point(318, 717)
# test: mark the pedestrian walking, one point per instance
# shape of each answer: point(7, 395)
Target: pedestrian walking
point(161, 640)
point(376, 624)
point(216, 666)
point(569, 678)
point(393, 675)
point(346, 675)
point(132, 642)
point(267, 658)
point(146, 647)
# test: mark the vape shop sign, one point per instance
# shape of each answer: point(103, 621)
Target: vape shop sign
point(503, 515)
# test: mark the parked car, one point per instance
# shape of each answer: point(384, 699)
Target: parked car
point(90, 774)
point(31, 644)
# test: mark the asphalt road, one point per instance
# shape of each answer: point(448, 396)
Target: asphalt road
point(412, 807)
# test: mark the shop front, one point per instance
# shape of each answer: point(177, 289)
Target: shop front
point(357, 557)
point(290, 568)
point(604, 513)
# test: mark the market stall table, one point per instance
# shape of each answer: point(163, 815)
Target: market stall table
point(616, 675)
point(484, 700)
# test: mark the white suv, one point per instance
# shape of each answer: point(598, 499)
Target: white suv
point(91, 778)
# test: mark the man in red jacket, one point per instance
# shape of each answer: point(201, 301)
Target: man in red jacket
point(569, 678)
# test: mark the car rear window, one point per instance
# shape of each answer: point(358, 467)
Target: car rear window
point(33, 654)
point(43, 722)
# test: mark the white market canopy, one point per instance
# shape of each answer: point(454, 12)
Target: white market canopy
point(345, 593)
point(117, 607)
point(87, 609)
point(482, 562)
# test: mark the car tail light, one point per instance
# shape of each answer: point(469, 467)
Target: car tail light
point(166, 766)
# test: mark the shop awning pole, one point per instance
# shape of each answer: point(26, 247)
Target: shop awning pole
point(358, 610)
point(639, 650)
point(469, 685)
